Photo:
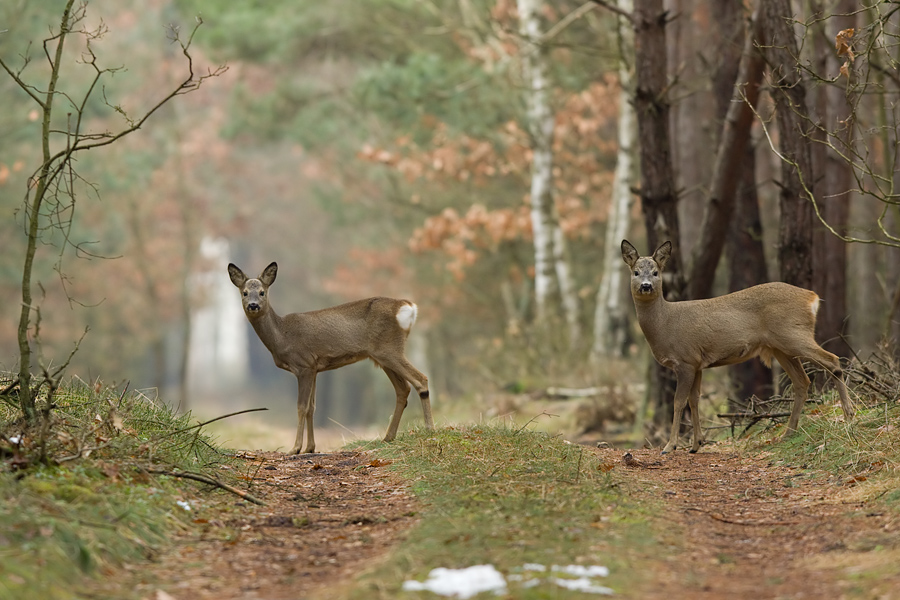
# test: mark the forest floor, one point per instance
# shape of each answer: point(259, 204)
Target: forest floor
point(734, 524)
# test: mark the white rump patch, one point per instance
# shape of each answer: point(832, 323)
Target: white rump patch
point(814, 306)
point(406, 316)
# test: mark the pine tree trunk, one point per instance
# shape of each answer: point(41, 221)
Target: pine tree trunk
point(830, 266)
point(789, 94)
point(736, 87)
point(659, 200)
point(737, 91)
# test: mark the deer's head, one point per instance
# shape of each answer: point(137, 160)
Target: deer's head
point(254, 292)
point(646, 271)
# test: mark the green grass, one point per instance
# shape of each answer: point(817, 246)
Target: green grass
point(866, 448)
point(506, 497)
point(77, 498)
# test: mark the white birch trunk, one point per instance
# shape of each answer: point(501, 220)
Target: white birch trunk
point(551, 271)
point(609, 319)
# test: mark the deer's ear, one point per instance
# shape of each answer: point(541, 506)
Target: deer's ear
point(629, 253)
point(269, 273)
point(237, 276)
point(662, 254)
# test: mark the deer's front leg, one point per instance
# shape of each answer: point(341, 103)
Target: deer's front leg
point(685, 376)
point(306, 405)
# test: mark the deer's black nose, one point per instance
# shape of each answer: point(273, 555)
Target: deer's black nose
point(253, 306)
point(646, 288)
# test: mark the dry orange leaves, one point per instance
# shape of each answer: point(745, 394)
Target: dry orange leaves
point(843, 48)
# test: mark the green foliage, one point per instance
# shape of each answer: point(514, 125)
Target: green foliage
point(76, 493)
point(283, 32)
point(507, 497)
point(294, 110)
point(445, 89)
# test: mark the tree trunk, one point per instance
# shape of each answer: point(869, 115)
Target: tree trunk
point(610, 323)
point(737, 91)
point(736, 87)
point(833, 193)
point(789, 94)
point(551, 270)
point(659, 201)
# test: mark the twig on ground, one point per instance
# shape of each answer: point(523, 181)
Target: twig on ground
point(198, 425)
point(725, 519)
point(210, 481)
point(543, 413)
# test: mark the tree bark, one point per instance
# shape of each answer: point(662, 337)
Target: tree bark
point(659, 200)
point(736, 87)
point(737, 96)
point(833, 191)
point(551, 270)
point(789, 94)
point(610, 323)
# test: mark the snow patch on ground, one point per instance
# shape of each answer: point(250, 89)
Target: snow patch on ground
point(460, 583)
point(465, 583)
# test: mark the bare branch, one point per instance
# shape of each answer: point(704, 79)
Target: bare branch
point(613, 8)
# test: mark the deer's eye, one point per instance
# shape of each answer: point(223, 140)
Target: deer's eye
point(656, 273)
point(636, 273)
point(245, 293)
point(262, 294)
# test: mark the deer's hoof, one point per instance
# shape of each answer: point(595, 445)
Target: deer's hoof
point(666, 450)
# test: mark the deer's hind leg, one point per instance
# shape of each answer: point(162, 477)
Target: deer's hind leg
point(800, 382)
point(401, 386)
point(832, 363)
point(403, 369)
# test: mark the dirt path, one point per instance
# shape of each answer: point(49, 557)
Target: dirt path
point(750, 529)
point(327, 518)
point(743, 528)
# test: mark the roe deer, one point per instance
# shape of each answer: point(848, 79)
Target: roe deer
point(769, 320)
point(321, 340)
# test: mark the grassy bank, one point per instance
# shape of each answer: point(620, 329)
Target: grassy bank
point(510, 498)
point(81, 492)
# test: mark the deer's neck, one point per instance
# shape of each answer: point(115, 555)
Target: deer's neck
point(652, 316)
point(270, 329)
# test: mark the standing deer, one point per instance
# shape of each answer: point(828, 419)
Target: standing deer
point(769, 320)
point(308, 343)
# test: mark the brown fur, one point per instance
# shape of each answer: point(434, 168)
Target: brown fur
point(307, 343)
point(772, 320)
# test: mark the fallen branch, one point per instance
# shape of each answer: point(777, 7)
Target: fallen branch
point(210, 481)
point(754, 416)
point(724, 519)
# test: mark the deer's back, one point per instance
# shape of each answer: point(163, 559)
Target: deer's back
point(354, 326)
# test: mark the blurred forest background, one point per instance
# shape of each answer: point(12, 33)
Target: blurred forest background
point(395, 148)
